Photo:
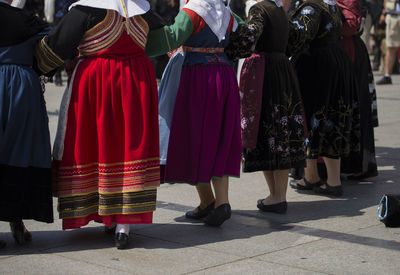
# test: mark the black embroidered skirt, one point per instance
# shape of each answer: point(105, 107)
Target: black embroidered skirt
point(329, 91)
point(280, 142)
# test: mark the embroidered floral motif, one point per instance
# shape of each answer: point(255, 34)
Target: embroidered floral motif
point(307, 10)
point(329, 26)
point(244, 123)
point(300, 27)
point(298, 119)
point(283, 135)
point(330, 2)
point(338, 131)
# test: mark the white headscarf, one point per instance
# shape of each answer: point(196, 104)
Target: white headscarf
point(49, 8)
point(18, 3)
point(215, 14)
point(133, 8)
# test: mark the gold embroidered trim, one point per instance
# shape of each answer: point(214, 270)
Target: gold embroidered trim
point(47, 60)
point(131, 190)
point(108, 173)
point(138, 30)
point(108, 164)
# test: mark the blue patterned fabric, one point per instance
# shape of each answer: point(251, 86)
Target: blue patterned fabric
point(166, 97)
point(24, 133)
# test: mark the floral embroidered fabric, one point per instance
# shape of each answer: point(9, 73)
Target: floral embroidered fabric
point(280, 136)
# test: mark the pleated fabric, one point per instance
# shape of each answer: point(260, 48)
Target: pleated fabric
point(281, 137)
point(109, 170)
point(25, 158)
point(363, 161)
point(205, 138)
point(329, 93)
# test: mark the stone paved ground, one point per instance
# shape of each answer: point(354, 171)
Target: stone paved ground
point(318, 235)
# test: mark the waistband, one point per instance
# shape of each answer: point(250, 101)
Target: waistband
point(196, 50)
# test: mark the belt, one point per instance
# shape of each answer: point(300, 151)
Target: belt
point(196, 50)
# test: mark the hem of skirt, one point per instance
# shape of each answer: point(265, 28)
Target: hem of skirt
point(75, 223)
point(44, 220)
point(326, 156)
point(299, 164)
point(197, 183)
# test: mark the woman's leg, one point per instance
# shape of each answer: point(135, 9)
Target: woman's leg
point(333, 187)
point(206, 195)
point(281, 181)
point(221, 186)
point(277, 182)
point(207, 202)
point(269, 177)
point(20, 233)
point(310, 172)
point(222, 211)
point(333, 169)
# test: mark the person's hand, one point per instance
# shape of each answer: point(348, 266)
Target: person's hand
point(286, 5)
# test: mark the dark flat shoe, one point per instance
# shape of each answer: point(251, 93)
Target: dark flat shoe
point(2, 244)
point(335, 191)
point(279, 208)
point(362, 175)
point(219, 215)
point(308, 185)
point(20, 233)
point(110, 229)
point(201, 213)
point(121, 240)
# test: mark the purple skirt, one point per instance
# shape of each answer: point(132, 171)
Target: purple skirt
point(205, 138)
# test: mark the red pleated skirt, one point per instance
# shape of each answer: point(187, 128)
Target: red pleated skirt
point(109, 169)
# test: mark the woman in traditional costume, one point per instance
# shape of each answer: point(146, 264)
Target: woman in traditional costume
point(200, 106)
point(272, 115)
point(106, 153)
point(329, 92)
point(360, 164)
point(25, 156)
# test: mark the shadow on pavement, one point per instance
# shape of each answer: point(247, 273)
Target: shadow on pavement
point(244, 224)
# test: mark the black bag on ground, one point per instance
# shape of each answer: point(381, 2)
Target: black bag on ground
point(389, 210)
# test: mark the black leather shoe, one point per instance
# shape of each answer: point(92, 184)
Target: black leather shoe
point(121, 240)
point(384, 80)
point(335, 191)
point(308, 185)
point(110, 229)
point(2, 244)
point(365, 175)
point(201, 213)
point(279, 208)
point(20, 233)
point(219, 215)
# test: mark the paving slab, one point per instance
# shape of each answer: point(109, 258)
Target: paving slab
point(51, 264)
point(338, 257)
point(144, 256)
point(241, 236)
point(253, 266)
